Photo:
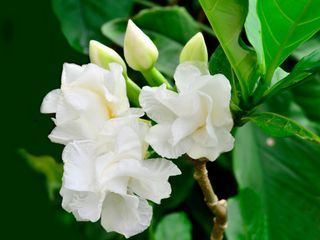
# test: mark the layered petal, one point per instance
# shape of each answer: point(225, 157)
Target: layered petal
point(89, 96)
point(85, 205)
point(199, 119)
point(125, 214)
point(161, 139)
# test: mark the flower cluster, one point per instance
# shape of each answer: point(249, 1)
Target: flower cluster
point(105, 172)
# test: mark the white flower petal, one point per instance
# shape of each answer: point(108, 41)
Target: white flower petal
point(153, 102)
point(151, 182)
point(125, 214)
point(79, 166)
point(70, 131)
point(50, 102)
point(85, 206)
point(71, 72)
point(160, 138)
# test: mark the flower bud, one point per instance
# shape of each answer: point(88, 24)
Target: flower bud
point(195, 50)
point(102, 56)
point(139, 51)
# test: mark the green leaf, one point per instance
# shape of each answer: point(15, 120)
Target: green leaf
point(174, 226)
point(169, 28)
point(306, 67)
point(227, 19)
point(285, 25)
point(285, 175)
point(307, 47)
point(280, 126)
point(247, 220)
point(307, 96)
point(47, 166)
point(81, 20)
point(253, 30)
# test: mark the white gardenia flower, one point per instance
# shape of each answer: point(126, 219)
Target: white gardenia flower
point(196, 120)
point(107, 178)
point(89, 95)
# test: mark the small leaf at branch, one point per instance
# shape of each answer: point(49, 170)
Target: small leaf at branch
point(280, 126)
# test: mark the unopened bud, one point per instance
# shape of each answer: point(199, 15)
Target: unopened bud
point(195, 50)
point(102, 55)
point(139, 51)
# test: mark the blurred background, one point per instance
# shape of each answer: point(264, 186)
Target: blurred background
point(32, 50)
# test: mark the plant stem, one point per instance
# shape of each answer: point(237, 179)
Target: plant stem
point(133, 91)
point(217, 207)
point(155, 78)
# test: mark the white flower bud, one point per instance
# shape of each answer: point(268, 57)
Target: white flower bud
point(139, 51)
point(195, 50)
point(102, 55)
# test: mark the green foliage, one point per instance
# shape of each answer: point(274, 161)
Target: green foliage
point(280, 126)
point(227, 19)
point(284, 26)
point(47, 166)
point(283, 174)
point(169, 28)
point(81, 20)
point(307, 96)
point(307, 67)
point(247, 219)
point(174, 226)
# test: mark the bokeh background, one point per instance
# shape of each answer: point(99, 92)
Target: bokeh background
point(32, 50)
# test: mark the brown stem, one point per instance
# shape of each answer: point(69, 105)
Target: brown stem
point(218, 208)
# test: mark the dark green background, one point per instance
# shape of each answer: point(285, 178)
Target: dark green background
point(32, 50)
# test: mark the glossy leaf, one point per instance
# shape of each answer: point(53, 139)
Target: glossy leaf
point(47, 166)
point(285, 25)
point(307, 96)
point(279, 126)
point(253, 30)
point(169, 28)
point(307, 66)
point(247, 220)
point(285, 175)
point(174, 226)
point(307, 47)
point(227, 19)
point(81, 20)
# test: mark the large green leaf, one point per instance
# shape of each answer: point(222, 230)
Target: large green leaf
point(304, 70)
point(169, 28)
point(174, 226)
point(307, 47)
point(247, 221)
point(307, 96)
point(280, 126)
point(284, 25)
point(81, 19)
point(227, 19)
point(285, 175)
point(47, 166)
